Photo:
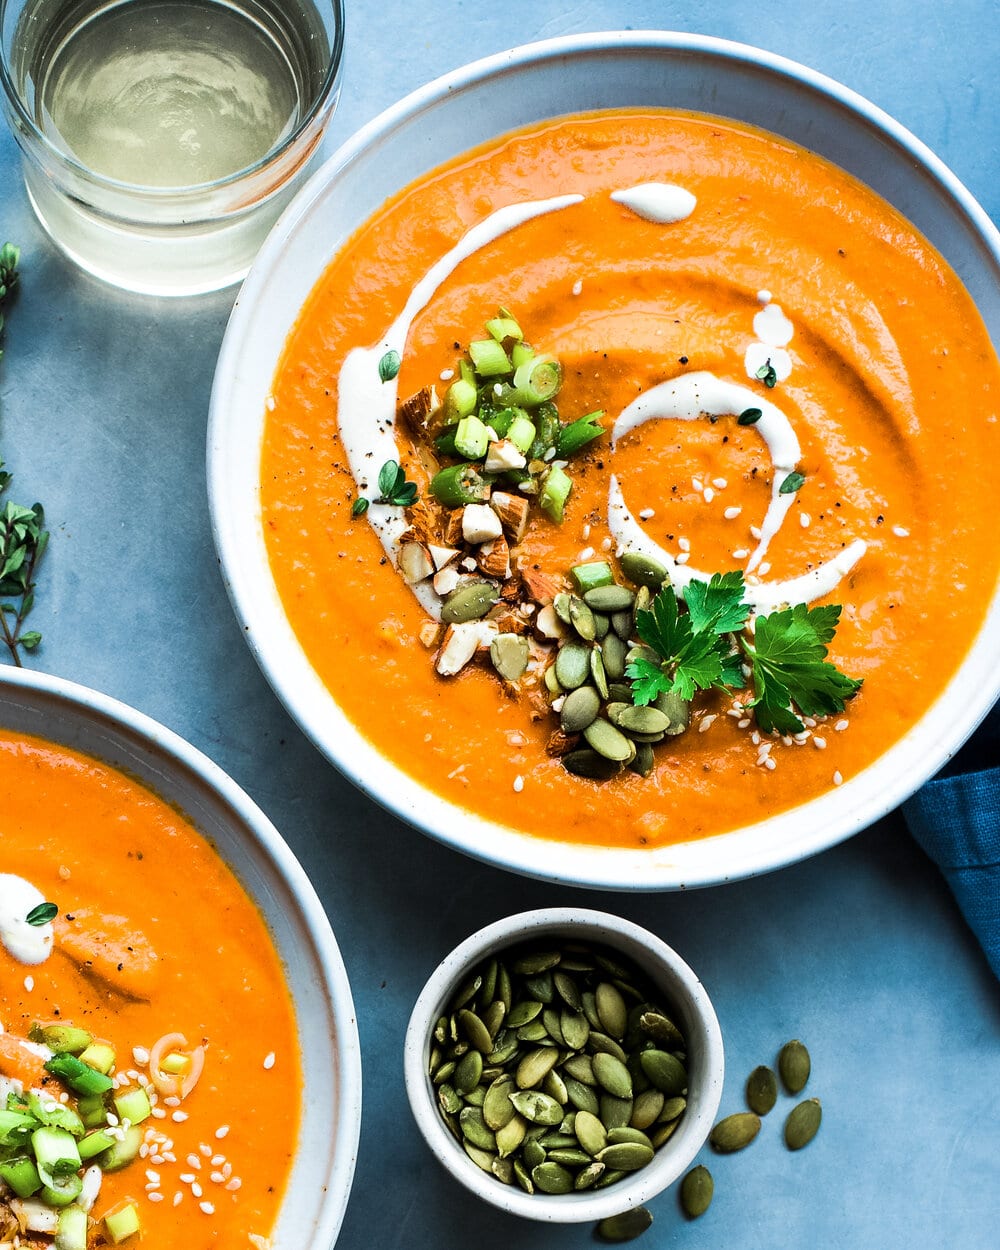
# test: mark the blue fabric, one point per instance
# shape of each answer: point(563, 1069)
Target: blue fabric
point(956, 819)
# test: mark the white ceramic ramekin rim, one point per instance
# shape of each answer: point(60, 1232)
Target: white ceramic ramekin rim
point(695, 1015)
point(293, 258)
point(73, 715)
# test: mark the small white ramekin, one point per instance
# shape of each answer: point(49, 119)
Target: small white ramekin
point(683, 994)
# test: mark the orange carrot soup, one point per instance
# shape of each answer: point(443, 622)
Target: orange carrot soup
point(149, 1068)
point(619, 477)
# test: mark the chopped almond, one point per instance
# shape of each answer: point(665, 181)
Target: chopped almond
point(480, 524)
point(416, 411)
point(442, 555)
point(560, 743)
point(415, 562)
point(494, 558)
point(431, 633)
point(513, 512)
point(541, 587)
point(548, 625)
point(452, 535)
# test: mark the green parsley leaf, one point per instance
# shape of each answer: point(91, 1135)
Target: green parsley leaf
point(718, 603)
point(388, 366)
point(792, 483)
point(691, 649)
point(648, 680)
point(789, 662)
point(42, 914)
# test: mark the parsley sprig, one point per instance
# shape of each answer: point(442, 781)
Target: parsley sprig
point(706, 648)
point(23, 538)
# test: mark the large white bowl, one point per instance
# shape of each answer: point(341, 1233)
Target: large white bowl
point(447, 117)
point(78, 718)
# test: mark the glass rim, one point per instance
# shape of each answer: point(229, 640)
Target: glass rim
point(320, 104)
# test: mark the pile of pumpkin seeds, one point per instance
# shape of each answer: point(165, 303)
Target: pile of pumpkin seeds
point(558, 1068)
point(603, 728)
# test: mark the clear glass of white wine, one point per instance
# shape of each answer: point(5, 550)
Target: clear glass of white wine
point(162, 138)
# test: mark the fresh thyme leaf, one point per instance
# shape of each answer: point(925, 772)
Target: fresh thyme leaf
point(42, 914)
point(388, 366)
point(360, 506)
point(768, 375)
point(792, 483)
point(789, 662)
point(393, 487)
point(749, 416)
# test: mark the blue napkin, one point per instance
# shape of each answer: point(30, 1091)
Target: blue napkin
point(956, 819)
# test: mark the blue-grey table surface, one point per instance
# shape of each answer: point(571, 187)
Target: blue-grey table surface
point(860, 951)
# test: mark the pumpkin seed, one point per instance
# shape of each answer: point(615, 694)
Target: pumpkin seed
point(643, 720)
point(567, 989)
point(505, 1047)
point(579, 709)
point(615, 1112)
point(535, 962)
point(445, 1072)
point(613, 654)
point(660, 1028)
point(647, 1108)
point(676, 710)
point(560, 605)
point(573, 665)
point(534, 1067)
point(610, 1177)
point(587, 763)
point(550, 1018)
point(626, 1226)
point(762, 1090)
point(555, 1087)
point(481, 1158)
point(697, 1189)
point(608, 741)
point(611, 1009)
point(597, 673)
point(645, 760)
point(641, 652)
point(665, 1071)
point(612, 1075)
point(476, 1097)
point(551, 680)
point(537, 1107)
point(620, 691)
point(609, 598)
point(622, 623)
point(449, 1099)
point(523, 1013)
point(523, 1178)
point(582, 619)
point(735, 1132)
point(672, 1108)
point(662, 1133)
point(469, 603)
point(539, 985)
point(552, 1178)
point(503, 1170)
point(627, 1134)
point(510, 1136)
point(626, 1156)
point(575, 1029)
point(794, 1065)
point(602, 626)
point(601, 1043)
point(533, 1153)
point(509, 654)
point(589, 1175)
point(475, 1130)
point(469, 1071)
point(477, 1032)
point(803, 1123)
point(493, 1018)
point(643, 601)
point(498, 1110)
point(465, 994)
point(590, 1132)
point(641, 570)
point(570, 1156)
point(581, 1068)
point(581, 1096)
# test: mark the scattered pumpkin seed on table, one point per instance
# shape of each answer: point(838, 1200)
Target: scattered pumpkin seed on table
point(626, 1226)
point(762, 1090)
point(803, 1123)
point(697, 1189)
point(735, 1132)
point(794, 1065)
point(559, 1069)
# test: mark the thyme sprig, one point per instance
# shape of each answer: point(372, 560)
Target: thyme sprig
point(23, 538)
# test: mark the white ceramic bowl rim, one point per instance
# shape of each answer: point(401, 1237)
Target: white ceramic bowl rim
point(271, 297)
point(22, 688)
point(706, 1056)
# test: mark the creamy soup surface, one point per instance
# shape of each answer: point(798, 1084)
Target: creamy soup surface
point(157, 952)
point(667, 260)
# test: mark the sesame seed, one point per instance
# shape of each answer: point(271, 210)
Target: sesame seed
point(647, 514)
point(585, 532)
point(706, 723)
point(152, 1177)
point(735, 712)
point(684, 544)
point(187, 1177)
point(178, 1198)
point(770, 764)
point(684, 557)
point(196, 1189)
point(731, 514)
point(157, 1158)
point(269, 403)
point(193, 1161)
point(217, 1178)
point(29, 983)
point(207, 1150)
point(577, 287)
point(169, 1156)
point(143, 1151)
point(720, 483)
point(112, 1119)
point(178, 1116)
point(697, 484)
point(764, 569)
point(155, 1196)
point(819, 743)
point(709, 494)
point(841, 725)
point(446, 375)
point(159, 1113)
point(755, 738)
point(227, 1169)
point(64, 873)
point(207, 1208)
point(172, 1101)
point(805, 520)
point(234, 1184)
point(900, 532)
point(606, 544)
point(518, 784)
point(838, 779)
point(585, 554)
point(744, 723)
point(755, 532)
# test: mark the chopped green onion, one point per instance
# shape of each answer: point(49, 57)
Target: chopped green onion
point(71, 1233)
point(61, 1037)
point(520, 353)
point(96, 1143)
point(538, 379)
point(21, 1175)
point(489, 358)
point(56, 1153)
point(500, 328)
point(547, 426)
point(133, 1105)
point(122, 1224)
point(577, 434)
point(555, 492)
point(460, 399)
point(522, 434)
point(79, 1076)
point(99, 1055)
point(471, 438)
point(588, 576)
